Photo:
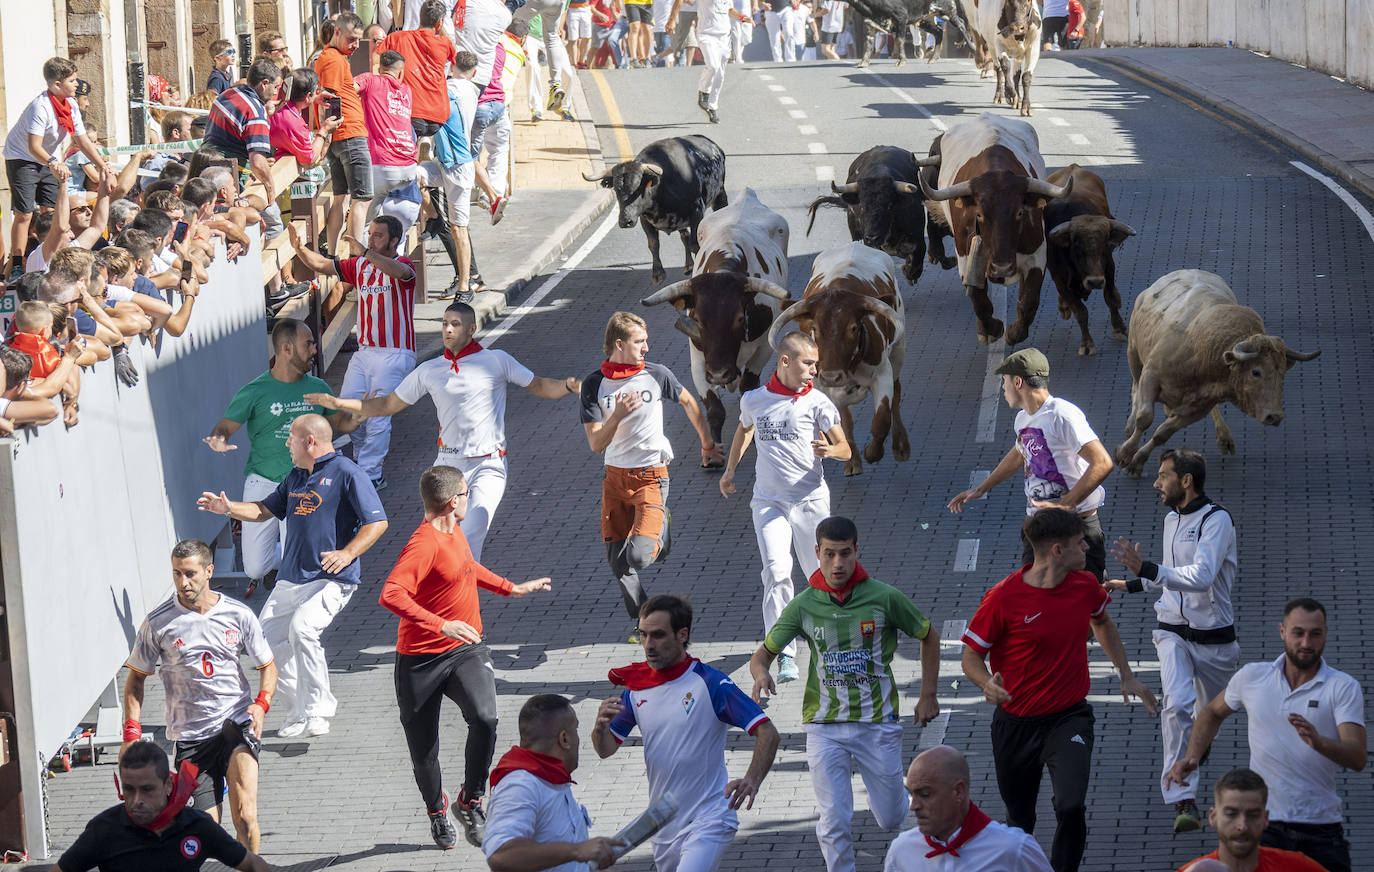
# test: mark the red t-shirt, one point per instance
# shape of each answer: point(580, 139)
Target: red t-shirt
point(1273, 860)
point(386, 106)
point(386, 306)
point(45, 357)
point(427, 55)
point(291, 134)
point(1037, 639)
point(435, 580)
point(336, 75)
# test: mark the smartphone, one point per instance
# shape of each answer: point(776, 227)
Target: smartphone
point(334, 107)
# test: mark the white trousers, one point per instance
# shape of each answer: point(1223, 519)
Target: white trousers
point(792, 49)
point(496, 143)
point(374, 371)
point(533, 49)
point(486, 480)
point(780, 529)
point(1193, 675)
point(832, 750)
point(770, 21)
point(698, 848)
point(261, 539)
point(741, 34)
point(714, 52)
point(293, 619)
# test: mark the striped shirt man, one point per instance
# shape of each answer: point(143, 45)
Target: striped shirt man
point(238, 124)
point(386, 306)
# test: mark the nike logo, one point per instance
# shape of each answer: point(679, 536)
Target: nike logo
point(1030, 618)
point(640, 702)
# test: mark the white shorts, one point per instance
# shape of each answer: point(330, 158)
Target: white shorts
point(458, 182)
point(579, 23)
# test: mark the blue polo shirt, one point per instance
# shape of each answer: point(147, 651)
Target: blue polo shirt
point(322, 509)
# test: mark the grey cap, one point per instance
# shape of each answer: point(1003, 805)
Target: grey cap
point(1026, 362)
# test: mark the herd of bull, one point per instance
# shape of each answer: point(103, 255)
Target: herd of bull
point(1191, 345)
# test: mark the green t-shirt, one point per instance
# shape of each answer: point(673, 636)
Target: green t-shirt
point(849, 679)
point(267, 407)
point(537, 27)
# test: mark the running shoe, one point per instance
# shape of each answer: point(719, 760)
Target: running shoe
point(16, 273)
point(252, 586)
point(567, 115)
point(498, 210)
point(379, 483)
point(441, 828)
point(294, 730)
point(536, 116)
point(316, 727)
point(473, 819)
point(1189, 819)
point(556, 97)
point(634, 633)
point(787, 669)
point(702, 99)
point(712, 117)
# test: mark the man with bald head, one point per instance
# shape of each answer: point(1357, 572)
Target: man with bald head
point(952, 833)
point(332, 515)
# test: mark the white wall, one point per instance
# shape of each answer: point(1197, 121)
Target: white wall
point(26, 44)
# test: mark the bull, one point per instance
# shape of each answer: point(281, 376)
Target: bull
point(1006, 39)
point(899, 17)
point(1192, 347)
point(668, 187)
point(852, 309)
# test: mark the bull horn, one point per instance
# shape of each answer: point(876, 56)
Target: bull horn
point(931, 161)
point(1042, 188)
point(1298, 355)
point(767, 288)
point(687, 327)
point(963, 189)
point(784, 316)
point(1122, 228)
point(1244, 350)
point(851, 188)
point(905, 187)
point(600, 178)
point(883, 310)
point(1060, 234)
point(651, 169)
point(668, 293)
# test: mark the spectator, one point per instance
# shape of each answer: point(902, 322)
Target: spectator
point(32, 152)
point(1239, 816)
point(681, 30)
point(427, 51)
point(350, 164)
point(33, 336)
point(272, 45)
point(792, 21)
point(605, 17)
point(222, 56)
point(1056, 18)
point(640, 15)
point(121, 213)
point(17, 410)
point(289, 131)
point(202, 100)
point(390, 139)
point(458, 165)
point(831, 17)
point(578, 27)
point(239, 129)
point(78, 219)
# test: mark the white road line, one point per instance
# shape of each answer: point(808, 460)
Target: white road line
point(992, 382)
point(952, 630)
point(806, 129)
point(933, 733)
point(817, 148)
point(1059, 122)
point(776, 88)
point(976, 477)
point(907, 98)
point(764, 77)
point(1355, 206)
point(1078, 139)
point(966, 555)
point(825, 174)
point(490, 338)
point(797, 114)
point(788, 101)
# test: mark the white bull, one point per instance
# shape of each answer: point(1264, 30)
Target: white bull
point(1007, 38)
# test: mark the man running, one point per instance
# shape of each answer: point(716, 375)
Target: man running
point(795, 428)
point(468, 386)
point(1033, 624)
point(440, 652)
point(333, 516)
point(684, 709)
point(622, 414)
point(196, 638)
point(713, 21)
point(850, 709)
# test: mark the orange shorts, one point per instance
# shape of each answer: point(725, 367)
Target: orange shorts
point(634, 503)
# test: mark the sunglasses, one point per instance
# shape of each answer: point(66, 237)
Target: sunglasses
point(228, 51)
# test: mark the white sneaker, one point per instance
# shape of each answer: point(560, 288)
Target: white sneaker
point(316, 727)
point(787, 669)
point(293, 730)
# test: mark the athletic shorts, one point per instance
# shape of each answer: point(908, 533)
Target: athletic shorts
point(639, 12)
point(350, 168)
point(423, 127)
point(579, 23)
point(828, 38)
point(458, 190)
point(32, 185)
point(632, 502)
point(211, 757)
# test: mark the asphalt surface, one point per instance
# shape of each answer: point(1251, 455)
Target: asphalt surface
point(1200, 191)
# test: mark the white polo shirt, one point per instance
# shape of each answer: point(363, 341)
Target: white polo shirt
point(471, 402)
point(998, 848)
point(525, 806)
point(1302, 783)
point(1049, 442)
point(38, 117)
point(787, 470)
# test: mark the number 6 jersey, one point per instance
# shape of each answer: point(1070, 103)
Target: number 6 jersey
point(198, 656)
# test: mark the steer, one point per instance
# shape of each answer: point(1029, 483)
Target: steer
point(898, 17)
point(1082, 234)
point(668, 186)
point(1192, 347)
point(743, 254)
point(1006, 35)
point(853, 310)
point(992, 198)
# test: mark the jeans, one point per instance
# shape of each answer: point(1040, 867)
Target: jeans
point(487, 113)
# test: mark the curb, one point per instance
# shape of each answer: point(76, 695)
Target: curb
point(1260, 125)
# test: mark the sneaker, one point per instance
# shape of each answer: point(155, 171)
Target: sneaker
point(379, 483)
point(556, 97)
point(466, 295)
point(441, 828)
point(498, 210)
point(634, 633)
point(252, 586)
point(712, 117)
point(702, 99)
point(473, 819)
point(295, 730)
point(316, 727)
point(787, 669)
point(16, 273)
point(536, 116)
point(1188, 819)
point(567, 115)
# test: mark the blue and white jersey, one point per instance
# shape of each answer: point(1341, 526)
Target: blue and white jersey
point(684, 722)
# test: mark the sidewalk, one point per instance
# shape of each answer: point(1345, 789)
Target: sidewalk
point(1328, 121)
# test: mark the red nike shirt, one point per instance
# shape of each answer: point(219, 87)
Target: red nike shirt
point(1037, 639)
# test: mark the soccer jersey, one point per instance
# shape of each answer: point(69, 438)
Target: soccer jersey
point(787, 469)
point(684, 721)
point(639, 439)
point(198, 657)
point(471, 402)
point(386, 305)
point(266, 407)
point(1036, 638)
point(1049, 442)
point(849, 678)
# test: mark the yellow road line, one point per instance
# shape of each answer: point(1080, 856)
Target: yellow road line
point(622, 139)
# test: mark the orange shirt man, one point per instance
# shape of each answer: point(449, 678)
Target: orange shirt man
point(428, 52)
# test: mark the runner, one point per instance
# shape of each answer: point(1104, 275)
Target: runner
point(684, 709)
point(197, 637)
point(713, 22)
point(622, 414)
point(440, 652)
point(795, 428)
point(468, 386)
point(850, 709)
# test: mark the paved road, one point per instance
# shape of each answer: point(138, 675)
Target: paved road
point(1201, 192)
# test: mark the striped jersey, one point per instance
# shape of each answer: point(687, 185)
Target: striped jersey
point(849, 679)
point(238, 124)
point(386, 306)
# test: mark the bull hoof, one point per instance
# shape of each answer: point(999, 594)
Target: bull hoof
point(1087, 349)
point(1119, 335)
point(873, 451)
point(949, 262)
point(1065, 312)
point(853, 467)
point(1017, 333)
point(901, 62)
point(901, 449)
point(861, 65)
point(991, 334)
point(657, 276)
point(1026, 110)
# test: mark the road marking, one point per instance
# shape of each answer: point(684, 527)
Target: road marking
point(806, 129)
point(933, 733)
point(938, 124)
point(816, 148)
point(622, 139)
point(776, 88)
point(952, 629)
point(1355, 205)
point(1059, 122)
point(992, 382)
point(797, 114)
point(825, 174)
point(976, 478)
point(966, 555)
point(764, 77)
point(1078, 139)
point(787, 101)
point(490, 338)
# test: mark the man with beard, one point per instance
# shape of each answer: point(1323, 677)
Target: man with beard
point(1196, 637)
point(1239, 817)
point(1306, 723)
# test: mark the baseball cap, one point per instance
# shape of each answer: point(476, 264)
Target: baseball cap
point(83, 87)
point(1026, 362)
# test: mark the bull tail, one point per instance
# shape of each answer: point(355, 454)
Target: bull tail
point(819, 202)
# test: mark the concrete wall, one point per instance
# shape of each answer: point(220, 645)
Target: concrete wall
point(1331, 36)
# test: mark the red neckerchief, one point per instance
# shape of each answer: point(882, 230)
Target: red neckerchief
point(460, 13)
point(612, 370)
point(776, 386)
point(45, 357)
point(542, 766)
point(642, 676)
point(974, 822)
point(471, 348)
point(183, 785)
point(63, 110)
point(818, 582)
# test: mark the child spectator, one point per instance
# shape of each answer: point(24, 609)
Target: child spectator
point(15, 409)
point(222, 56)
point(32, 332)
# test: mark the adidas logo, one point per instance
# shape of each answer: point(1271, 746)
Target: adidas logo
point(178, 644)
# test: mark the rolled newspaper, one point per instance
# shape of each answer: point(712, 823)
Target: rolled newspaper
point(638, 831)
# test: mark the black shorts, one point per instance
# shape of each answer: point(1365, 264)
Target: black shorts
point(27, 179)
point(423, 127)
point(211, 757)
point(350, 168)
point(640, 12)
point(1054, 25)
point(828, 38)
